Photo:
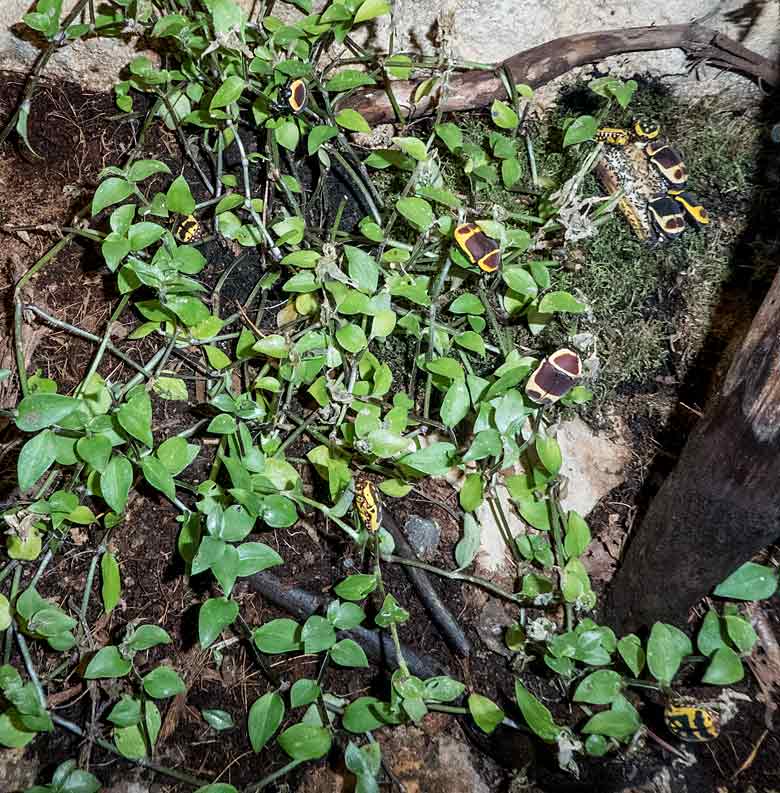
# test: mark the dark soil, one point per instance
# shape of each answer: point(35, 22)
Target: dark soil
point(155, 589)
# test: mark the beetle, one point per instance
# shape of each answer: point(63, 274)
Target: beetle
point(646, 129)
point(667, 216)
point(294, 95)
point(555, 376)
point(368, 505)
point(189, 230)
point(695, 723)
point(668, 161)
point(614, 136)
point(695, 212)
point(478, 247)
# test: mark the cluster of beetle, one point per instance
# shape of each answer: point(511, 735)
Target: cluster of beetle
point(670, 210)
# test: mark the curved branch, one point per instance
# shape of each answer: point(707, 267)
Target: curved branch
point(541, 64)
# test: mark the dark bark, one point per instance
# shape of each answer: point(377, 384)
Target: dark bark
point(540, 65)
point(721, 504)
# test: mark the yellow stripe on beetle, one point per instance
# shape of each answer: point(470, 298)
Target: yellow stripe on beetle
point(614, 136)
point(692, 722)
point(368, 505)
point(478, 248)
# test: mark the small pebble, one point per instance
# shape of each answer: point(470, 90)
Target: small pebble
point(423, 535)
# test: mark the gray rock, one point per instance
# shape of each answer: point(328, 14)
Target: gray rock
point(423, 535)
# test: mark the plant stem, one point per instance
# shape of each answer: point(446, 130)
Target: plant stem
point(454, 575)
point(12, 601)
point(326, 512)
point(143, 762)
point(265, 781)
point(22, 642)
point(104, 343)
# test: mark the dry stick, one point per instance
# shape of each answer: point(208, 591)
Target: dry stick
point(539, 65)
point(83, 334)
point(37, 71)
point(450, 629)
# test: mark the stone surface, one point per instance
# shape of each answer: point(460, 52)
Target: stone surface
point(423, 535)
point(469, 29)
point(17, 771)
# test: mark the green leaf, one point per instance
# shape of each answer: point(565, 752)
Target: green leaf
point(143, 169)
point(356, 587)
point(287, 135)
point(599, 688)
point(561, 302)
point(725, 668)
point(511, 171)
point(35, 458)
point(305, 741)
point(115, 482)
point(126, 712)
point(536, 715)
point(303, 692)
point(110, 191)
point(163, 682)
point(434, 460)
point(222, 425)
point(467, 304)
point(470, 495)
point(278, 512)
point(710, 636)
point(621, 722)
point(38, 411)
point(414, 147)
point(345, 616)
point(348, 653)
point(217, 719)
point(581, 129)
point(630, 649)
point(362, 269)
point(158, 476)
point(456, 404)
point(352, 120)
point(749, 582)
point(348, 79)
point(577, 535)
point(95, 450)
point(107, 662)
point(111, 585)
point(317, 634)
point(468, 546)
point(549, 453)
point(135, 417)
point(417, 211)
point(486, 443)
point(254, 557)
point(147, 636)
point(451, 135)
point(278, 636)
point(370, 9)
point(265, 716)
point(179, 197)
point(664, 654)
point(503, 116)
point(486, 714)
point(5, 613)
point(176, 454)
point(142, 235)
point(10, 735)
point(352, 338)
point(741, 633)
point(318, 136)
point(229, 92)
point(214, 616)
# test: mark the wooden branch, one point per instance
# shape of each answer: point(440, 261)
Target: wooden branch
point(721, 504)
point(540, 65)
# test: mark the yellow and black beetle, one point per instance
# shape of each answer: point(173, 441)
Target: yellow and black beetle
point(694, 211)
point(646, 129)
point(555, 376)
point(189, 230)
point(614, 136)
point(668, 161)
point(478, 247)
point(667, 216)
point(694, 723)
point(368, 504)
point(294, 96)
